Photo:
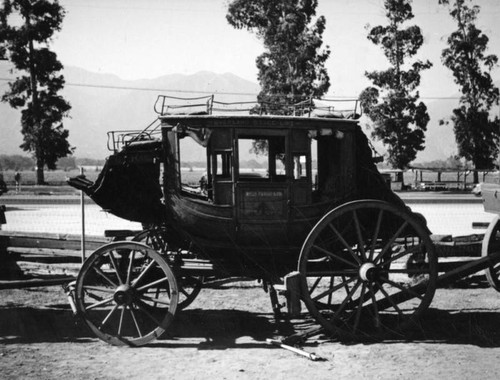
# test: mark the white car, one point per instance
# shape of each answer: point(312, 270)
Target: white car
point(477, 189)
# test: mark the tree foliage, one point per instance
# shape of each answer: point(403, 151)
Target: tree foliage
point(35, 90)
point(16, 162)
point(476, 133)
point(452, 162)
point(292, 67)
point(399, 120)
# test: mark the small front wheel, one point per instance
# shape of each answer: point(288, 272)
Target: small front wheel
point(126, 293)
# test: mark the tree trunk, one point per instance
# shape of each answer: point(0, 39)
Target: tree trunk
point(40, 177)
point(475, 177)
point(400, 178)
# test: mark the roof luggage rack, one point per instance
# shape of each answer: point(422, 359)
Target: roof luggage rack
point(117, 140)
point(207, 105)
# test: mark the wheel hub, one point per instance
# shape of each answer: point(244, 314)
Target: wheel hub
point(367, 271)
point(124, 295)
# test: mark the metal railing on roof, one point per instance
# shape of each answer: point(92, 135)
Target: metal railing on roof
point(170, 105)
point(207, 105)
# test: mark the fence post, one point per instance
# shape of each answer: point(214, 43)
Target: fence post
point(82, 203)
point(3, 242)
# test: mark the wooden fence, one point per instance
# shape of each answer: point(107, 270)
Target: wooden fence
point(30, 259)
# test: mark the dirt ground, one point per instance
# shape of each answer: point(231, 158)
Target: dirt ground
point(222, 335)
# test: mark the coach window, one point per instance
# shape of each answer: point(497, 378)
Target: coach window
point(222, 167)
point(299, 166)
point(262, 158)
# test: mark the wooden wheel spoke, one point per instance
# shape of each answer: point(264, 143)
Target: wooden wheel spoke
point(100, 303)
point(329, 302)
point(143, 273)
point(389, 298)
point(412, 271)
point(344, 243)
point(359, 308)
point(155, 300)
point(402, 288)
point(375, 234)
point(336, 257)
point(93, 296)
point(334, 273)
point(313, 287)
point(496, 269)
point(376, 315)
point(135, 321)
point(393, 258)
point(130, 266)
point(346, 300)
point(106, 319)
point(120, 324)
point(148, 314)
point(414, 249)
point(333, 289)
point(361, 243)
point(103, 275)
point(390, 242)
point(154, 283)
point(115, 267)
point(346, 287)
point(98, 289)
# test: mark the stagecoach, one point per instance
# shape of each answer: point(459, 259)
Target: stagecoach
point(314, 218)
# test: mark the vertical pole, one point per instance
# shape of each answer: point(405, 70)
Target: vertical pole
point(82, 204)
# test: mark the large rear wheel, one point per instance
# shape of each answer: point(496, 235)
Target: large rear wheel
point(126, 293)
point(369, 269)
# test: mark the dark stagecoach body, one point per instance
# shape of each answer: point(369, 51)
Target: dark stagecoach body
point(244, 221)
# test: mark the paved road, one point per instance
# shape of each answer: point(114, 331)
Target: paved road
point(446, 213)
point(63, 219)
point(438, 197)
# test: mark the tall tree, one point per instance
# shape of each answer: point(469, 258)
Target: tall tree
point(399, 120)
point(292, 67)
point(476, 133)
point(26, 28)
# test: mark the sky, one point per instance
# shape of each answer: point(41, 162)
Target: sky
point(151, 38)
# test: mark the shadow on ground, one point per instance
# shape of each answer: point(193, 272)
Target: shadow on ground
point(222, 329)
point(478, 327)
point(215, 328)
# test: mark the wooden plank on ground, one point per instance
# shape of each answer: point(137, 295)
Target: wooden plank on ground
point(42, 255)
point(50, 241)
point(34, 282)
point(44, 269)
point(47, 254)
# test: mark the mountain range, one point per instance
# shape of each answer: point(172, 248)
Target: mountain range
point(105, 102)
